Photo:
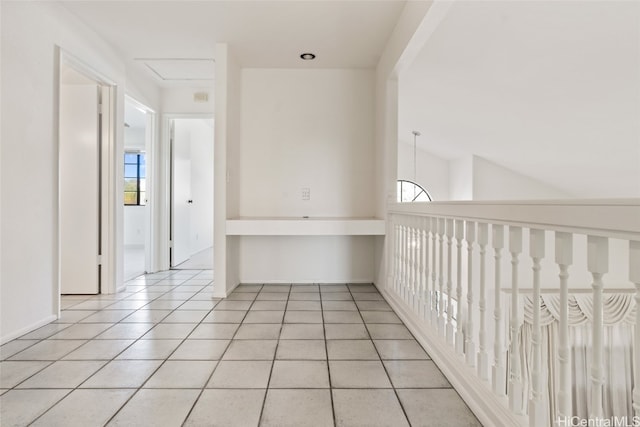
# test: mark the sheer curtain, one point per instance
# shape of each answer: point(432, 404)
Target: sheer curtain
point(619, 316)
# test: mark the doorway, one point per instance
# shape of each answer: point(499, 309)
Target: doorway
point(191, 224)
point(84, 139)
point(138, 140)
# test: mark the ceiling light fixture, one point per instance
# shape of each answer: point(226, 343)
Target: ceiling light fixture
point(308, 56)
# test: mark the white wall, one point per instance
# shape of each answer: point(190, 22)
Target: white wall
point(29, 270)
point(180, 100)
point(201, 136)
point(461, 178)
point(314, 129)
point(494, 182)
point(432, 172)
point(307, 128)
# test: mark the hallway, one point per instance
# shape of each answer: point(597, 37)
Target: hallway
point(164, 353)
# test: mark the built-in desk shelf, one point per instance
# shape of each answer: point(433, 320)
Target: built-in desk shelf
point(313, 226)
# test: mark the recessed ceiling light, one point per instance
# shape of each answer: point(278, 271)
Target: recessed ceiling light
point(308, 56)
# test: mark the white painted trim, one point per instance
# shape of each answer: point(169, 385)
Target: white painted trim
point(30, 328)
point(477, 394)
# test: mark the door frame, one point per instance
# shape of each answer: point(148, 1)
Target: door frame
point(165, 181)
point(151, 217)
point(107, 172)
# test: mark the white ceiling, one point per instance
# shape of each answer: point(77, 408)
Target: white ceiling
point(550, 89)
point(343, 34)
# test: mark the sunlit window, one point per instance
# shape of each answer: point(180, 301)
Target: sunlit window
point(411, 192)
point(134, 179)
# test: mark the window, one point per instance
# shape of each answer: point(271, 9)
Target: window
point(134, 179)
point(411, 192)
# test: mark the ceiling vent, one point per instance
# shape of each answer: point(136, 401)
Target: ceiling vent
point(180, 69)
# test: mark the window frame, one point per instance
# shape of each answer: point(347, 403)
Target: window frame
point(140, 155)
point(422, 189)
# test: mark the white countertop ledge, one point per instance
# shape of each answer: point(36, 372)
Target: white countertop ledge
point(300, 226)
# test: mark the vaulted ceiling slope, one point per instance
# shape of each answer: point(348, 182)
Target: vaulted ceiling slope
point(550, 89)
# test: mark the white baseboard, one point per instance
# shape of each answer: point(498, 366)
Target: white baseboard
point(490, 409)
point(26, 330)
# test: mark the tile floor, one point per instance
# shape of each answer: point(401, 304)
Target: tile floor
point(164, 353)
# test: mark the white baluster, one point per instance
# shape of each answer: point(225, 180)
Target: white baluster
point(420, 281)
point(498, 374)
point(483, 358)
point(450, 331)
point(564, 258)
point(441, 300)
point(536, 252)
point(403, 257)
point(515, 380)
point(634, 276)
point(470, 345)
point(432, 290)
point(425, 284)
point(459, 232)
point(413, 258)
point(598, 265)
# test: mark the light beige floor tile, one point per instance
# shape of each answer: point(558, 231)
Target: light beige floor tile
point(242, 296)
point(233, 305)
point(367, 296)
point(169, 331)
point(99, 350)
point(258, 332)
point(304, 296)
point(260, 316)
point(146, 316)
point(358, 374)
point(380, 317)
point(20, 407)
point(163, 304)
point(299, 374)
point(214, 331)
point(400, 349)
point(150, 349)
point(301, 350)
point(12, 347)
point(371, 408)
point(325, 288)
point(276, 288)
point(415, 374)
point(272, 296)
point(248, 288)
point(304, 305)
point(337, 296)
point(346, 331)
point(13, 373)
point(227, 408)
point(339, 305)
point(63, 374)
point(48, 350)
point(122, 374)
point(437, 407)
point(381, 331)
point(351, 350)
point(151, 407)
point(182, 374)
point(356, 287)
point(204, 304)
point(123, 331)
point(192, 349)
point(269, 305)
point(304, 288)
point(225, 316)
point(342, 317)
point(373, 306)
point(107, 316)
point(85, 408)
point(251, 350)
point(45, 332)
point(185, 316)
point(241, 374)
point(297, 408)
point(291, 331)
point(303, 317)
point(81, 331)
point(92, 304)
point(128, 305)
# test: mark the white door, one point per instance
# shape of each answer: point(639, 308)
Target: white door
point(181, 193)
point(79, 186)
